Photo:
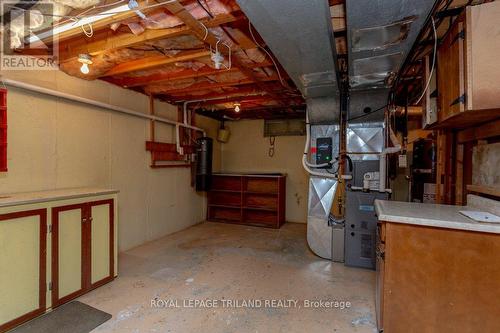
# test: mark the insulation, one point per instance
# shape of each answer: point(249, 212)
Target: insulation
point(163, 19)
point(79, 4)
point(18, 30)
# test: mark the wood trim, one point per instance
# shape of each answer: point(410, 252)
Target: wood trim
point(56, 301)
point(484, 131)
point(86, 279)
point(42, 302)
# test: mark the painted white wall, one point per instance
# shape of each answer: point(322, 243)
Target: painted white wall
point(54, 143)
point(247, 151)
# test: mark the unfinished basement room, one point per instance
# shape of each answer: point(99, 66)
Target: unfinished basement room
point(249, 166)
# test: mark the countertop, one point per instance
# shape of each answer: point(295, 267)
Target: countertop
point(432, 215)
point(14, 199)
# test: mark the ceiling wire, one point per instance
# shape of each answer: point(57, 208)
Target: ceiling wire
point(433, 61)
point(267, 52)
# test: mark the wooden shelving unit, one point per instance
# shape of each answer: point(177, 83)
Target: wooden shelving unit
point(248, 199)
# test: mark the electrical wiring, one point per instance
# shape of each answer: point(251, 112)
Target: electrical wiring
point(433, 61)
point(268, 54)
point(79, 17)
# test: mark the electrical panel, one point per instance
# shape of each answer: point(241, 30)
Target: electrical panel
point(324, 150)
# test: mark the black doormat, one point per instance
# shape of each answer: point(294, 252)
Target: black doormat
point(74, 317)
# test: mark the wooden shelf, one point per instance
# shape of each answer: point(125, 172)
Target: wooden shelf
point(488, 190)
point(226, 191)
point(267, 209)
point(249, 200)
point(261, 193)
point(466, 119)
point(224, 206)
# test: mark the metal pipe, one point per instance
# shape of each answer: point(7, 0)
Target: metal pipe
point(83, 100)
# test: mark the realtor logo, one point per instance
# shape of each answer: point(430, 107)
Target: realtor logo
point(26, 39)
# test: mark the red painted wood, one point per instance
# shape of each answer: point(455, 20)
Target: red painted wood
point(3, 130)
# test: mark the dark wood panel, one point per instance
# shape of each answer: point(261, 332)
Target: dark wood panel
point(260, 201)
point(220, 182)
point(225, 198)
point(224, 213)
point(260, 185)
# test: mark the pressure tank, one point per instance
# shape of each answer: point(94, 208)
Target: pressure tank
point(204, 147)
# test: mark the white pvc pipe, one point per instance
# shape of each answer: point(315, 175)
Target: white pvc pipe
point(88, 101)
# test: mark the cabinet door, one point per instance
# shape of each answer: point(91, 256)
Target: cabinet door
point(22, 266)
point(102, 242)
point(69, 251)
point(451, 72)
point(379, 288)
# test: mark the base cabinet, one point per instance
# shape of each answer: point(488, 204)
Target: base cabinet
point(434, 280)
point(82, 248)
point(52, 252)
point(22, 266)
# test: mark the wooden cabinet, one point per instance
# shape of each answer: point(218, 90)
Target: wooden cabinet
point(23, 267)
point(82, 248)
point(437, 280)
point(248, 199)
point(53, 250)
point(467, 71)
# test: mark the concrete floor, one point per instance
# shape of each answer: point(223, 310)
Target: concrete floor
point(221, 262)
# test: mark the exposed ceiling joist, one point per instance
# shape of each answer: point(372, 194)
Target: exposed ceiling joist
point(107, 40)
point(208, 85)
point(200, 31)
point(156, 78)
point(155, 61)
point(240, 92)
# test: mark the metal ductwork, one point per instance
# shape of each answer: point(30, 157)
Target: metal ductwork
point(380, 34)
point(300, 35)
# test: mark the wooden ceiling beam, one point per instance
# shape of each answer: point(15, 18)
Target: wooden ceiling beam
point(165, 77)
point(106, 40)
point(155, 61)
point(200, 31)
point(240, 92)
point(205, 85)
point(263, 98)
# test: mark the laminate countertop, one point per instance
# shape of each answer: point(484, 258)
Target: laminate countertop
point(432, 215)
point(14, 199)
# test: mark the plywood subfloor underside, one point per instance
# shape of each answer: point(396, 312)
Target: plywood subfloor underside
point(220, 261)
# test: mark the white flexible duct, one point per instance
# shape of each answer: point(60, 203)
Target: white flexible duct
point(305, 163)
point(83, 100)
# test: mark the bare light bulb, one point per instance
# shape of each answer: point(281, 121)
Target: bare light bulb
point(237, 108)
point(85, 69)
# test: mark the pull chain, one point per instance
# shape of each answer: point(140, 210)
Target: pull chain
point(272, 139)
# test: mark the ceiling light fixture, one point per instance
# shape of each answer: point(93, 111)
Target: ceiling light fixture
point(237, 107)
point(85, 60)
